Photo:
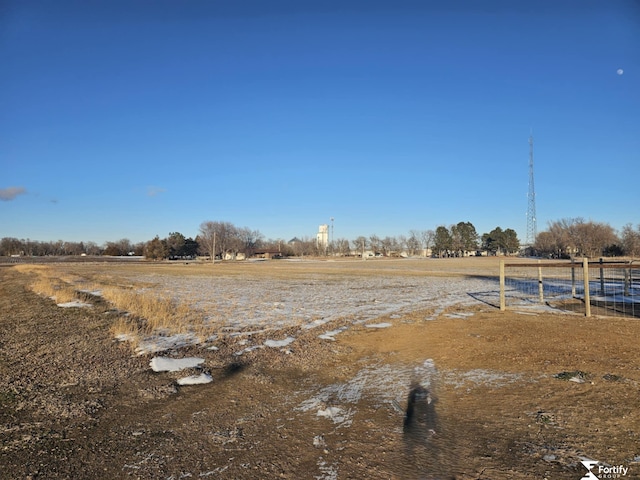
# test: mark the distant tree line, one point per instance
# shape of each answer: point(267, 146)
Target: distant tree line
point(577, 237)
point(219, 239)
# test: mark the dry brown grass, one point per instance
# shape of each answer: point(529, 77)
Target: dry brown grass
point(142, 313)
point(45, 282)
point(148, 313)
point(278, 269)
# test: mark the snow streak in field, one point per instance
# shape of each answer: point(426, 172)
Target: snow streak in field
point(240, 303)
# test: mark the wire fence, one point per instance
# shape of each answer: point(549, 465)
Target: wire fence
point(606, 288)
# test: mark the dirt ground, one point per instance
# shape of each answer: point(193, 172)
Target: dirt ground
point(512, 396)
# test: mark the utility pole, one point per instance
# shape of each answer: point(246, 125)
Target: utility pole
point(532, 231)
point(213, 254)
point(332, 247)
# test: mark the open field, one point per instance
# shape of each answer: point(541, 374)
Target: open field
point(311, 368)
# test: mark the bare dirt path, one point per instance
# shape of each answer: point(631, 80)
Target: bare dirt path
point(74, 403)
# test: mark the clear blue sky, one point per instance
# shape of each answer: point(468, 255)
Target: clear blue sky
point(138, 118)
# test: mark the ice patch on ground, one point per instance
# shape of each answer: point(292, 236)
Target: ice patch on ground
point(75, 304)
point(166, 364)
point(195, 379)
point(379, 325)
point(279, 343)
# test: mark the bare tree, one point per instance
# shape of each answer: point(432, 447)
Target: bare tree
point(249, 239)
point(593, 238)
point(428, 237)
point(546, 245)
point(342, 246)
point(207, 239)
point(374, 243)
point(631, 240)
point(92, 248)
point(413, 242)
point(575, 236)
point(120, 248)
point(359, 244)
point(223, 237)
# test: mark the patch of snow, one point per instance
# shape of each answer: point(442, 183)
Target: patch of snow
point(125, 337)
point(328, 472)
point(331, 334)
point(243, 306)
point(314, 300)
point(279, 343)
point(161, 343)
point(379, 325)
point(95, 293)
point(75, 304)
point(195, 379)
point(336, 415)
point(381, 383)
point(248, 349)
point(166, 364)
point(318, 441)
point(459, 315)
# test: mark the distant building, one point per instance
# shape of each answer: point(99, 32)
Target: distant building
point(322, 239)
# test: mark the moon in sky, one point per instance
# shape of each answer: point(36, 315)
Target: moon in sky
point(620, 71)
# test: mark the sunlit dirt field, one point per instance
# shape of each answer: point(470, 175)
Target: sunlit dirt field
point(417, 379)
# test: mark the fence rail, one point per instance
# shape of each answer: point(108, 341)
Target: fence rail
point(610, 288)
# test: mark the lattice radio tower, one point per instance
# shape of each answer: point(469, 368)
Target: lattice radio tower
point(531, 200)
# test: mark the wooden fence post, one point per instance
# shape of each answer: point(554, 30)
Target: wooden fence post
point(503, 303)
point(573, 279)
point(587, 298)
point(601, 278)
point(627, 281)
point(540, 286)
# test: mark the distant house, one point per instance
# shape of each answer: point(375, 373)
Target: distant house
point(268, 253)
point(235, 256)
